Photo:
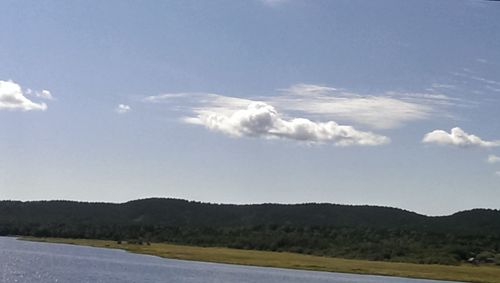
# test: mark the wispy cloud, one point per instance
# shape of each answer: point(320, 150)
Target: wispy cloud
point(443, 86)
point(308, 102)
point(43, 94)
point(122, 108)
point(457, 137)
point(493, 159)
point(470, 75)
point(166, 96)
point(388, 110)
point(274, 2)
point(485, 80)
point(495, 89)
point(13, 98)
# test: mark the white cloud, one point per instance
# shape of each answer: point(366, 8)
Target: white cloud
point(199, 101)
point(469, 75)
point(385, 111)
point(493, 159)
point(13, 98)
point(122, 108)
point(308, 89)
point(484, 80)
point(497, 173)
point(166, 96)
point(260, 119)
point(495, 89)
point(317, 102)
point(45, 94)
point(310, 103)
point(446, 86)
point(457, 137)
point(274, 2)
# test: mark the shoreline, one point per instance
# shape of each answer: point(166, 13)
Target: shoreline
point(461, 273)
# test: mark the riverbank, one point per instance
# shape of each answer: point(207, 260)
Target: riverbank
point(464, 273)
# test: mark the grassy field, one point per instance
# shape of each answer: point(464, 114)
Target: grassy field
point(465, 273)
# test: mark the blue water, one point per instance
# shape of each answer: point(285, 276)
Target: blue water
point(22, 261)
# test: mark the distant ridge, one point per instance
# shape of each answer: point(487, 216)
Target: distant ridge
point(355, 231)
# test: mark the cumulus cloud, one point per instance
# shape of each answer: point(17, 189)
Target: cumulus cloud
point(320, 110)
point(260, 119)
point(457, 137)
point(13, 98)
point(493, 159)
point(122, 108)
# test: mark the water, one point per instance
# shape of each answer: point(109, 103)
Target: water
point(22, 261)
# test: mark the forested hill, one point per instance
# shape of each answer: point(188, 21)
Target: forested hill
point(328, 229)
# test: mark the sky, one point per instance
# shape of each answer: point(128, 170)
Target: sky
point(391, 103)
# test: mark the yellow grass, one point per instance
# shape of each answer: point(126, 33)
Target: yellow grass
point(464, 273)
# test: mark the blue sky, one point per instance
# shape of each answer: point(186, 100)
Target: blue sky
point(391, 103)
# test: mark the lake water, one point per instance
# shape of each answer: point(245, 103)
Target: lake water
point(22, 261)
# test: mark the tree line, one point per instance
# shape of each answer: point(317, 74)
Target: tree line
point(360, 232)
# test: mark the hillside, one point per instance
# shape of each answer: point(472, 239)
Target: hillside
point(367, 232)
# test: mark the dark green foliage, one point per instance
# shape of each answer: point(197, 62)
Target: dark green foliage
point(363, 232)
